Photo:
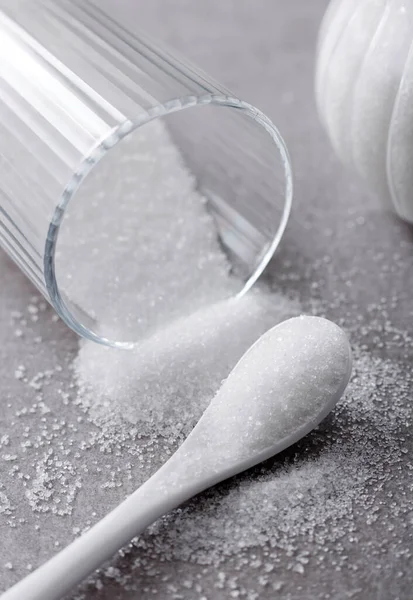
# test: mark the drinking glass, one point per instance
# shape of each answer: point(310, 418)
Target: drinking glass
point(75, 86)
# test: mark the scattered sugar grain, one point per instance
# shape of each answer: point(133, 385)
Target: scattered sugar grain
point(32, 309)
point(20, 372)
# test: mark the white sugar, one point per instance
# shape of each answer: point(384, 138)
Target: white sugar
point(303, 513)
point(146, 249)
point(171, 377)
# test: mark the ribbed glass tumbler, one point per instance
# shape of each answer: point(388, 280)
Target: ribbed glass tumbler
point(77, 168)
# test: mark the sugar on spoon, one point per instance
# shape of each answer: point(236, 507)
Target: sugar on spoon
point(282, 388)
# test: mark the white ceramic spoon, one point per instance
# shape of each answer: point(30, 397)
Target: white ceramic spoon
point(284, 385)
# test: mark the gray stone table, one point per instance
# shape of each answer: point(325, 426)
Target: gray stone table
point(343, 255)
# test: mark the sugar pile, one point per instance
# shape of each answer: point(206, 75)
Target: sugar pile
point(170, 378)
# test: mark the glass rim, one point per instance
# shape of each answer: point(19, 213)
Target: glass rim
point(100, 150)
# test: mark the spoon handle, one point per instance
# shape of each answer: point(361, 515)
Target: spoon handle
point(77, 561)
point(180, 478)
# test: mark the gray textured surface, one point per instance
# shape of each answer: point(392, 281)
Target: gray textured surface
point(342, 251)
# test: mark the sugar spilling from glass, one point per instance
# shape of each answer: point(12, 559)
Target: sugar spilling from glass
point(314, 500)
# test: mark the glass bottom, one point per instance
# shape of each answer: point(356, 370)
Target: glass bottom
point(119, 265)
